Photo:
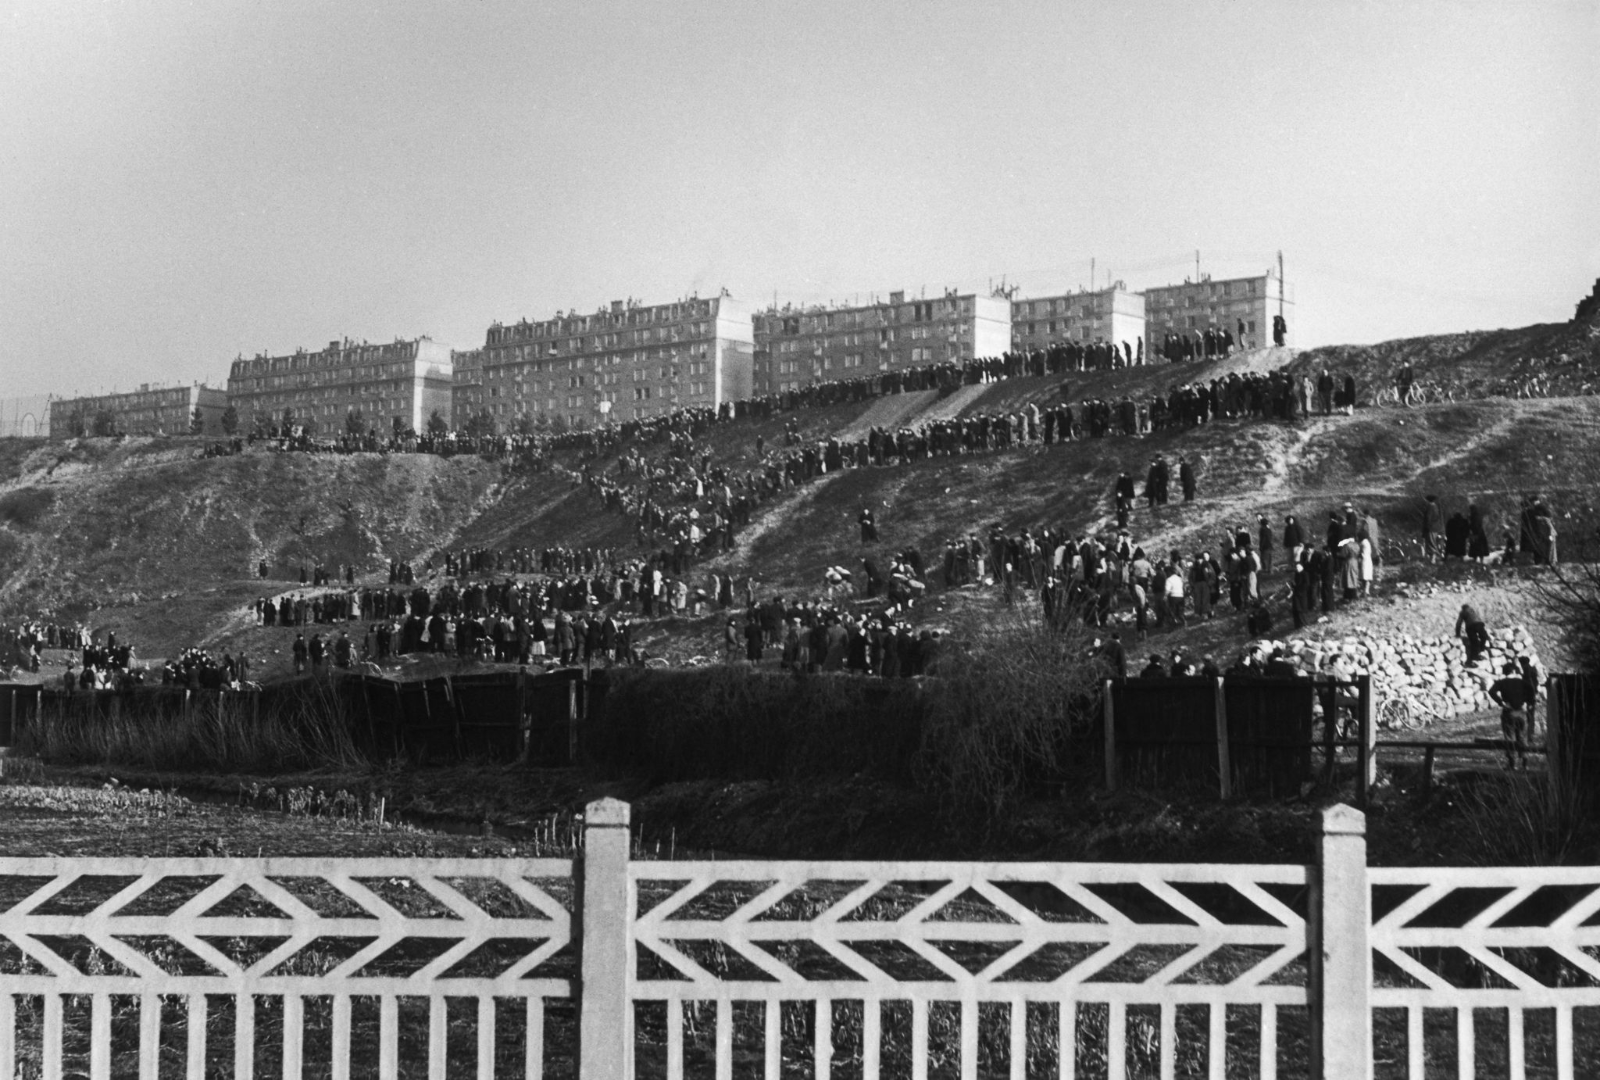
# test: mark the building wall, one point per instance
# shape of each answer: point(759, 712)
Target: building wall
point(1196, 305)
point(640, 360)
point(149, 410)
point(466, 387)
point(25, 417)
point(404, 380)
point(1115, 314)
point(798, 346)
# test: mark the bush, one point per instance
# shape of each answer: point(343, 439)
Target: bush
point(1012, 698)
point(23, 507)
point(297, 725)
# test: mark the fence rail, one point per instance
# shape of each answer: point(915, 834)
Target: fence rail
point(451, 967)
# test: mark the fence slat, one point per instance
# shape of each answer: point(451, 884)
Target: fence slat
point(675, 1040)
point(244, 1036)
point(871, 1038)
point(1414, 1056)
point(1117, 1042)
point(1067, 1041)
point(52, 1037)
point(389, 1037)
point(8, 1034)
point(724, 1049)
point(1019, 1040)
point(1169, 1049)
point(1563, 1043)
point(822, 1039)
point(341, 1037)
point(438, 1047)
point(485, 1037)
point(533, 1046)
point(1217, 1043)
point(195, 1051)
point(772, 1041)
point(969, 1038)
point(919, 1039)
point(149, 1036)
point(294, 1008)
point(1466, 1043)
point(1269, 1042)
point(1516, 1048)
point(100, 1037)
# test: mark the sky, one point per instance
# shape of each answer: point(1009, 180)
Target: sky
point(185, 182)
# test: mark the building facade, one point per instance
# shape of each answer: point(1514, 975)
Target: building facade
point(405, 381)
point(626, 361)
point(798, 346)
point(466, 386)
point(1196, 305)
point(25, 417)
point(149, 410)
point(1113, 314)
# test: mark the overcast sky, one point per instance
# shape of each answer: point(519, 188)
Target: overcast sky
point(184, 182)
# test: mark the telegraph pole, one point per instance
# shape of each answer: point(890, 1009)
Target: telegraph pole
point(1280, 282)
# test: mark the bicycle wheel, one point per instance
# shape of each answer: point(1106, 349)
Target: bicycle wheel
point(1394, 714)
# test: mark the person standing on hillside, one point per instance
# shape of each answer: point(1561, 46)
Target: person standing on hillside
point(1476, 633)
point(869, 526)
point(1325, 393)
point(1186, 478)
point(1432, 518)
point(1264, 543)
point(1280, 330)
point(1510, 693)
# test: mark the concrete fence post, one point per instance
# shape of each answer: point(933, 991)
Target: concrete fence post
point(1340, 921)
point(605, 1020)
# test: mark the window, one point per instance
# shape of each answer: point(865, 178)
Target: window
point(852, 360)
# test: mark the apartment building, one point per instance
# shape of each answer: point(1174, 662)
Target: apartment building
point(797, 346)
point(1113, 314)
point(1196, 305)
point(405, 381)
point(149, 410)
point(627, 360)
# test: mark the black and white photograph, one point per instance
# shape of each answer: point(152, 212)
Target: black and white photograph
point(799, 541)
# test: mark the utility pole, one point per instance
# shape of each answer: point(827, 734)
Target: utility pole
point(1197, 266)
point(1280, 282)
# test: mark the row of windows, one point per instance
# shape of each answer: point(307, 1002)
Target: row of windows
point(662, 313)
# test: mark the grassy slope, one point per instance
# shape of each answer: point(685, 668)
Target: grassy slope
point(141, 532)
point(150, 534)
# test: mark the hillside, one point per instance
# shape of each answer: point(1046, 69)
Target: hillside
point(147, 537)
point(148, 530)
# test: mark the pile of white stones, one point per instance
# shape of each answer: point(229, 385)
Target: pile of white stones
point(1436, 666)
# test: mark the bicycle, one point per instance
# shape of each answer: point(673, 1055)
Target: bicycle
point(1406, 708)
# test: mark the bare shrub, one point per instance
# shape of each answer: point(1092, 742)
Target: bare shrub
point(1011, 698)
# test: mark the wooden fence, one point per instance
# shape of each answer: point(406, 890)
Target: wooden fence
point(606, 968)
point(1237, 736)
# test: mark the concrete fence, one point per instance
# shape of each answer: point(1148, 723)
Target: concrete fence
point(606, 967)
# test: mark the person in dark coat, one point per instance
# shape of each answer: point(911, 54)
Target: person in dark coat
point(1477, 535)
point(1293, 536)
point(1186, 478)
point(1264, 543)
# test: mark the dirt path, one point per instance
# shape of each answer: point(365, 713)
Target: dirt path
point(775, 518)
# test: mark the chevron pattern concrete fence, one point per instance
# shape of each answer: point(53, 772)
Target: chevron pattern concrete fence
point(606, 967)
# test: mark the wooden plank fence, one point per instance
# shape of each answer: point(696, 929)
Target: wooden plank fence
point(428, 967)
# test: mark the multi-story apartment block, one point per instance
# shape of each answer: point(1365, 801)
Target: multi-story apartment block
point(1196, 305)
point(406, 381)
point(797, 346)
point(466, 386)
point(1113, 314)
point(149, 410)
point(626, 361)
